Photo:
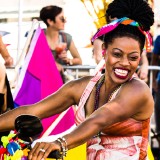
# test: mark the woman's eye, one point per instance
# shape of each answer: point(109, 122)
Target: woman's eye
point(133, 58)
point(116, 54)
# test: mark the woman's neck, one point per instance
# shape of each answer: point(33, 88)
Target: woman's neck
point(51, 33)
point(52, 37)
point(109, 84)
point(107, 92)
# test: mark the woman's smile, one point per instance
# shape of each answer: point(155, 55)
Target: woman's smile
point(121, 73)
point(122, 58)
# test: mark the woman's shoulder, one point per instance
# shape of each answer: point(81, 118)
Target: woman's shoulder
point(136, 84)
point(76, 87)
point(66, 37)
point(135, 96)
point(63, 33)
point(80, 82)
point(137, 90)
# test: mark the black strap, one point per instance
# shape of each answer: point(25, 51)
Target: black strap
point(64, 38)
point(10, 103)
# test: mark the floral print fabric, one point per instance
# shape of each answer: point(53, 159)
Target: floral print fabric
point(127, 140)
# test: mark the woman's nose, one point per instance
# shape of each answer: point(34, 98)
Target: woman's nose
point(124, 61)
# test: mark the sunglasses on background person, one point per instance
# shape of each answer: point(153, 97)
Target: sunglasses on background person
point(63, 19)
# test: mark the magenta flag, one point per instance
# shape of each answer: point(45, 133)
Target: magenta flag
point(39, 77)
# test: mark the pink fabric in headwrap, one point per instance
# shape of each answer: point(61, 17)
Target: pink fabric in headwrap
point(126, 21)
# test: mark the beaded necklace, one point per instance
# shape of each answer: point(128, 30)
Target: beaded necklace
point(96, 102)
point(98, 87)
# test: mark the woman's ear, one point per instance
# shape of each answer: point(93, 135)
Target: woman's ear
point(103, 49)
point(50, 22)
point(103, 52)
point(103, 46)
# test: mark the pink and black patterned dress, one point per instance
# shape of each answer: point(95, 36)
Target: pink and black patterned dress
point(127, 140)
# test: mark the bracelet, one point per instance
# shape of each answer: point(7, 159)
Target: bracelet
point(62, 148)
point(63, 144)
point(64, 140)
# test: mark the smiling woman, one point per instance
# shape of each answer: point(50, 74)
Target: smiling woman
point(114, 109)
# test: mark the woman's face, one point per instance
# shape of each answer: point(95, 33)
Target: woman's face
point(122, 58)
point(60, 21)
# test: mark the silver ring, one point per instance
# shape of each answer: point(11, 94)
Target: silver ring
point(42, 150)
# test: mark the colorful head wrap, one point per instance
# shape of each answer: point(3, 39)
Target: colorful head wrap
point(126, 21)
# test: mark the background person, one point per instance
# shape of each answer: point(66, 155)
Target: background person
point(6, 99)
point(115, 108)
point(5, 54)
point(59, 41)
point(155, 61)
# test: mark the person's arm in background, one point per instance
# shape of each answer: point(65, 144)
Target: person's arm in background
point(75, 54)
point(97, 50)
point(5, 54)
point(3, 89)
point(154, 61)
point(143, 70)
point(76, 58)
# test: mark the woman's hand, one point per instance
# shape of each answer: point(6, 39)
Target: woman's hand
point(8, 61)
point(63, 55)
point(41, 150)
point(143, 70)
point(59, 67)
point(143, 73)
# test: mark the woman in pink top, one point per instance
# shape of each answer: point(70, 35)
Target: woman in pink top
point(114, 109)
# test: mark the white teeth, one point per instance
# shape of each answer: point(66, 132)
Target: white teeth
point(121, 72)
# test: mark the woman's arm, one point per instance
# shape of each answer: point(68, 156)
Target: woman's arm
point(97, 50)
point(75, 60)
point(3, 89)
point(143, 70)
point(5, 54)
point(53, 104)
point(75, 54)
point(128, 104)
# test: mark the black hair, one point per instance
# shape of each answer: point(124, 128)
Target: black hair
point(137, 10)
point(125, 31)
point(49, 12)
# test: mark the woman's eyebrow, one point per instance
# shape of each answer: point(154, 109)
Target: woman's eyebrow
point(123, 51)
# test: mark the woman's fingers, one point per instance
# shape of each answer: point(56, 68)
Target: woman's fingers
point(37, 152)
point(41, 150)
